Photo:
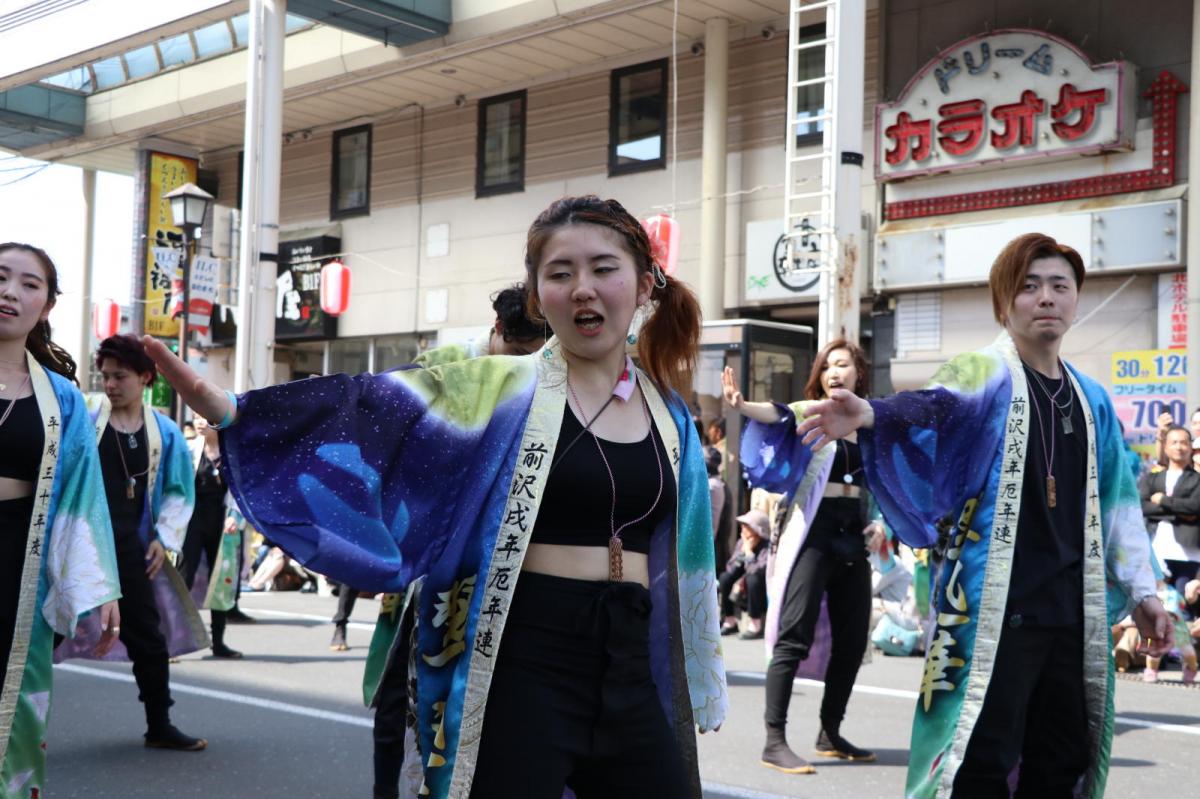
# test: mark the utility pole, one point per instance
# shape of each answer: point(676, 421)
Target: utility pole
point(258, 251)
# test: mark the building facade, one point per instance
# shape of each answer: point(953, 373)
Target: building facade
point(421, 166)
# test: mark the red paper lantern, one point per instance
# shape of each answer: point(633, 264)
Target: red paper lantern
point(335, 288)
point(106, 318)
point(663, 231)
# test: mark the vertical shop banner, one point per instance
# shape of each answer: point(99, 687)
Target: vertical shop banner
point(1172, 311)
point(167, 172)
point(1145, 384)
point(202, 292)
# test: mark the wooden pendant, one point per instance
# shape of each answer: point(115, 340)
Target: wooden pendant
point(129, 486)
point(615, 561)
point(1068, 428)
point(1051, 492)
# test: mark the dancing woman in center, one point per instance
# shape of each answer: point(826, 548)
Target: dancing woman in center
point(818, 576)
point(557, 506)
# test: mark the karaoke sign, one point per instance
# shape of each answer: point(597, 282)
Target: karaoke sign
point(1003, 97)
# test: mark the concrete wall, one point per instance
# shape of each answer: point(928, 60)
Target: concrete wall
point(566, 153)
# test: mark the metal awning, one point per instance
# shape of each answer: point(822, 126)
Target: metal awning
point(31, 116)
point(393, 22)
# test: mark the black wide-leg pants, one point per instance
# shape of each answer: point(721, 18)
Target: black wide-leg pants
point(572, 701)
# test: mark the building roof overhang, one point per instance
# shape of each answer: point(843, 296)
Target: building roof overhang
point(334, 78)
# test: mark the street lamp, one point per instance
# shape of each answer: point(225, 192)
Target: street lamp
point(189, 206)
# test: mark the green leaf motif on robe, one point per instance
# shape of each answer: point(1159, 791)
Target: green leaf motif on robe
point(967, 373)
point(467, 393)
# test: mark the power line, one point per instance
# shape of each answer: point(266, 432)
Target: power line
point(23, 177)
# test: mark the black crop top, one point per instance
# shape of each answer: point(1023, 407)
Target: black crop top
point(21, 440)
point(577, 504)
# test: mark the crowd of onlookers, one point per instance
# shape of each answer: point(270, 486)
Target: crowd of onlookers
point(1170, 492)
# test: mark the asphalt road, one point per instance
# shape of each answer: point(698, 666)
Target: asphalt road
point(288, 721)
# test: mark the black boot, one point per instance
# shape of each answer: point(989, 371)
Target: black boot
point(777, 755)
point(219, 649)
point(831, 744)
point(162, 734)
point(236, 615)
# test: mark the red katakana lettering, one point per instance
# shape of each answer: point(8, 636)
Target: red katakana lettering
point(961, 127)
point(903, 133)
point(1019, 122)
point(1071, 100)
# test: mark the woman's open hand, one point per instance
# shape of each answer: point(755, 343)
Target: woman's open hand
point(200, 395)
point(729, 389)
point(834, 418)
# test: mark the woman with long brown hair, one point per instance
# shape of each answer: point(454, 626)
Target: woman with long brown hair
point(56, 545)
point(818, 576)
point(556, 502)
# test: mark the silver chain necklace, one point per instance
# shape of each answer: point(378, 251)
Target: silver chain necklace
point(1067, 408)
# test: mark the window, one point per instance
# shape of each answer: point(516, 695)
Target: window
point(810, 100)
point(351, 190)
point(918, 323)
point(637, 124)
point(393, 351)
point(142, 62)
point(500, 146)
point(349, 356)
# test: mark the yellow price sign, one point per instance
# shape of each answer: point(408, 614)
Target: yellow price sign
point(1148, 366)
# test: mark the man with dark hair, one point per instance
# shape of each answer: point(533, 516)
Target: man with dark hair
point(1012, 463)
point(150, 489)
point(518, 334)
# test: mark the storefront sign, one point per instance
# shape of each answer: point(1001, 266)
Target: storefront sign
point(1172, 311)
point(1145, 384)
point(298, 313)
point(202, 292)
point(1001, 97)
point(167, 172)
point(770, 273)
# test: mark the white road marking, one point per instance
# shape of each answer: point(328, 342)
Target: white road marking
point(761, 678)
point(228, 696)
point(716, 790)
point(712, 790)
point(358, 625)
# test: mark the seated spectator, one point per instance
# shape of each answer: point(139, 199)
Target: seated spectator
point(278, 572)
point(1125, 646)
point(748, 562)
point(1129, 652)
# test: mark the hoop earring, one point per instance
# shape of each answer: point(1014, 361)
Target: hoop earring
point(660, 278)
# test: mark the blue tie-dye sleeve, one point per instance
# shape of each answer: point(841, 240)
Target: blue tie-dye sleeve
point(931, 450)
point(359, 477)
point(773, 456)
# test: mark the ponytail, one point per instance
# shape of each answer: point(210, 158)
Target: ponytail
point(49, 354)
point(669, 341)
